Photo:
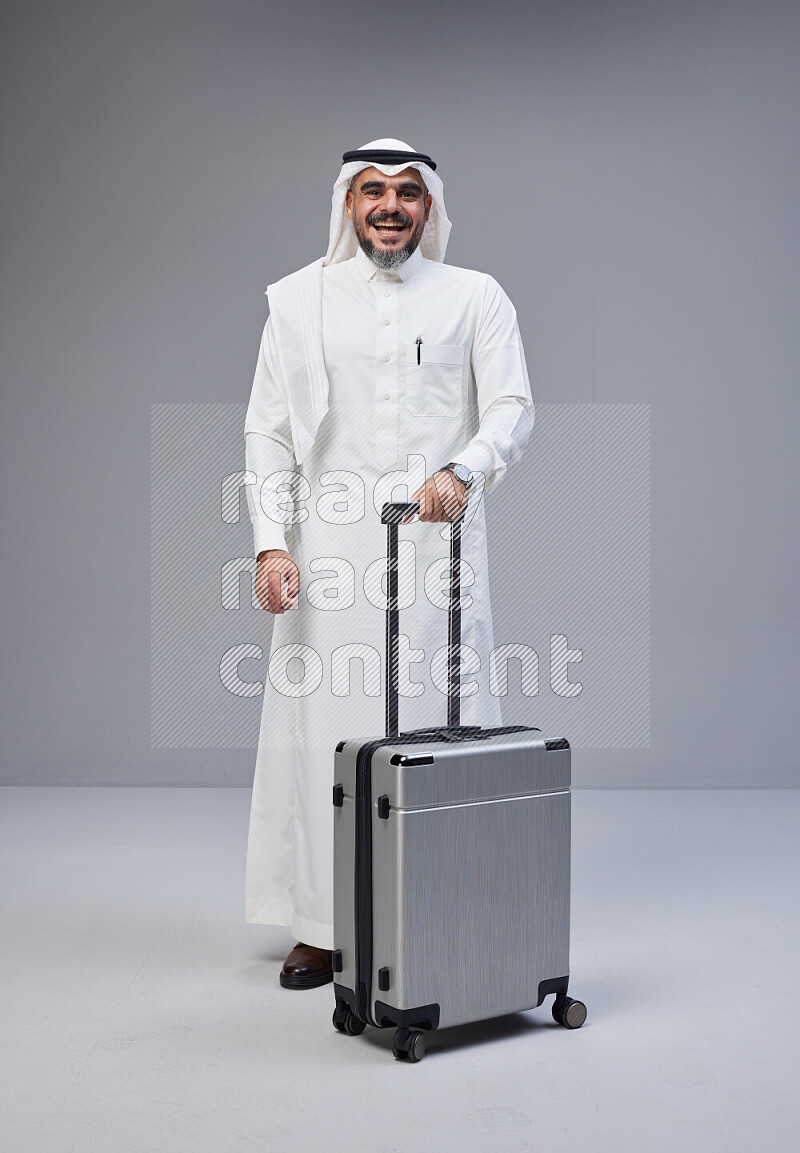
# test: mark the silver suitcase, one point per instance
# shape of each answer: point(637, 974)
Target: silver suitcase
point(451, 863)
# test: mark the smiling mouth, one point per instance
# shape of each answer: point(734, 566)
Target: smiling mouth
point(387, 229)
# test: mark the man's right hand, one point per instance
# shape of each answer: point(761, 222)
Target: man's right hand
point(277, 580)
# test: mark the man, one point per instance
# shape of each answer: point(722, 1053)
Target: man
point(382, 374)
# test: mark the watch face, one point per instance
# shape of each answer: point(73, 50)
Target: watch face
point(463, 473)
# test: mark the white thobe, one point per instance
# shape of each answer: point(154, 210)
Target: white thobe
point(425, 366)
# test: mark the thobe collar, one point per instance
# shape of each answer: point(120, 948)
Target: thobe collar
point(295, 305)
point(403, 272)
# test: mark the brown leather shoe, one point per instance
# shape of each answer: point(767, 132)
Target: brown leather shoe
point(306, 967)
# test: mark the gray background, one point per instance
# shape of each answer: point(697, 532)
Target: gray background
point(627, 171)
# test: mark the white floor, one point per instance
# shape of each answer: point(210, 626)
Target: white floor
point(140, 1013)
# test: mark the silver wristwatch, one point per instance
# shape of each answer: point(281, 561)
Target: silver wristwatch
point(459, 471)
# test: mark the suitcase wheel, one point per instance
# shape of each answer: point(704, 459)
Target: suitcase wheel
point(571, 1014)
point(408, 1045)
point(353, 1025)
point(345, 1020)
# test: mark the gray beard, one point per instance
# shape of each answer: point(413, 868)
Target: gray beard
point(388, 260)
point(384, 259)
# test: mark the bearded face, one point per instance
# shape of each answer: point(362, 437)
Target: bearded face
point(388, 214)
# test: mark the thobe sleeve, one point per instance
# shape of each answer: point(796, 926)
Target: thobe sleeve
point(505, 407)
point(268, 448)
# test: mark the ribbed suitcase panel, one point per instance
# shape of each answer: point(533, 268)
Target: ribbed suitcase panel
point(471, 905)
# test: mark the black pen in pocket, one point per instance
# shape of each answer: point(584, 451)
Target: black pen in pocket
point(419, 347)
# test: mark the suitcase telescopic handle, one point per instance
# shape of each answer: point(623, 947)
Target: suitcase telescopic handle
point(392, 513)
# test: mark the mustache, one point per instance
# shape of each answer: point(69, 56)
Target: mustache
point(388, 218)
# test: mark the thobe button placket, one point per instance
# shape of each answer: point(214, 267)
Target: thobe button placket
point(387, 367)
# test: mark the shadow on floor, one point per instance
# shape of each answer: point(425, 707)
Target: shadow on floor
point(475, 1033)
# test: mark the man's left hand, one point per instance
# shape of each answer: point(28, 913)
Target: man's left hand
point(441, 498)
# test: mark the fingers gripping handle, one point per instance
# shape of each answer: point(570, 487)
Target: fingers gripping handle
point(391, 515)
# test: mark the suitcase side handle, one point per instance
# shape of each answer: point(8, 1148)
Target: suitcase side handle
point(392, 513)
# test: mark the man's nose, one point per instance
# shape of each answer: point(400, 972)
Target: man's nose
point(390, 200)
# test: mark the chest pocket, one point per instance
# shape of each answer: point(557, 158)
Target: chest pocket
point(435, 386)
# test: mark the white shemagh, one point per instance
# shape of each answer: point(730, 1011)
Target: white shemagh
point(295, 303)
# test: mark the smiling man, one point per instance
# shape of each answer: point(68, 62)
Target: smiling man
point(388, 214)
point(383, 374)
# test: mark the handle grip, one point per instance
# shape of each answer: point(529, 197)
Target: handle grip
point(395, 510)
